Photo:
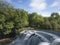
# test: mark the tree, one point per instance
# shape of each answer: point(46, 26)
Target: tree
point(46, 24)
point(11, 19)
point(21, 19)
point(55, 25)
point(55, 15)
point(35, 20)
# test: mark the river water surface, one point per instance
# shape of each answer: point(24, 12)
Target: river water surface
point(32, 37)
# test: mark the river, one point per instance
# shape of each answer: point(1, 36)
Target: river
point(33, 37)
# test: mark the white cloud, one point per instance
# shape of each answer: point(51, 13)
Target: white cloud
point(56, 3)
point(59, 12)
point(46, 14)
point(38, 4)
point(43, 13)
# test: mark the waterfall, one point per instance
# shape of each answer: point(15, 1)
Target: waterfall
point(50, 34)
point(28, 34)
point(42, 37)
point(36, 38)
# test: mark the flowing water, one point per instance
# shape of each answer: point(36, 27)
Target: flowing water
point(32, 37)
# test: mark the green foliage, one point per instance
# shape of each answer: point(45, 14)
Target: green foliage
point(1, 26)
point(46, 23)
point(35, 20)
point(7, 31)
point(52, 22)
point(11, 19)
point(9, 25)
point(21, 19)
point(2, 18)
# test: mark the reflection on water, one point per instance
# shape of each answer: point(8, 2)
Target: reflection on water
point(36, 38)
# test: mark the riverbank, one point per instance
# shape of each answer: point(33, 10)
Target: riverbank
point(5, 41)
point(36, 28)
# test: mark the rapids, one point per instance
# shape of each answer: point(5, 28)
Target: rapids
point(32, 37)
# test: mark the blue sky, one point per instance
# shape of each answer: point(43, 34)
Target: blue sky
point(43, 7)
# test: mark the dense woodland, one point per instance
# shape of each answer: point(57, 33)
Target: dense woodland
point(12, 20)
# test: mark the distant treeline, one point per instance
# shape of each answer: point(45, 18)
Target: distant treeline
point(12, 20)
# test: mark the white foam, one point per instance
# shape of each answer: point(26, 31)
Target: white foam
point(44, 43)
point(28, 34)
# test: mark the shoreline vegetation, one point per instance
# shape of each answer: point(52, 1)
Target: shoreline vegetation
point(13, 20)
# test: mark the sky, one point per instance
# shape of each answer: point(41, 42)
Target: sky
point(43, 7)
